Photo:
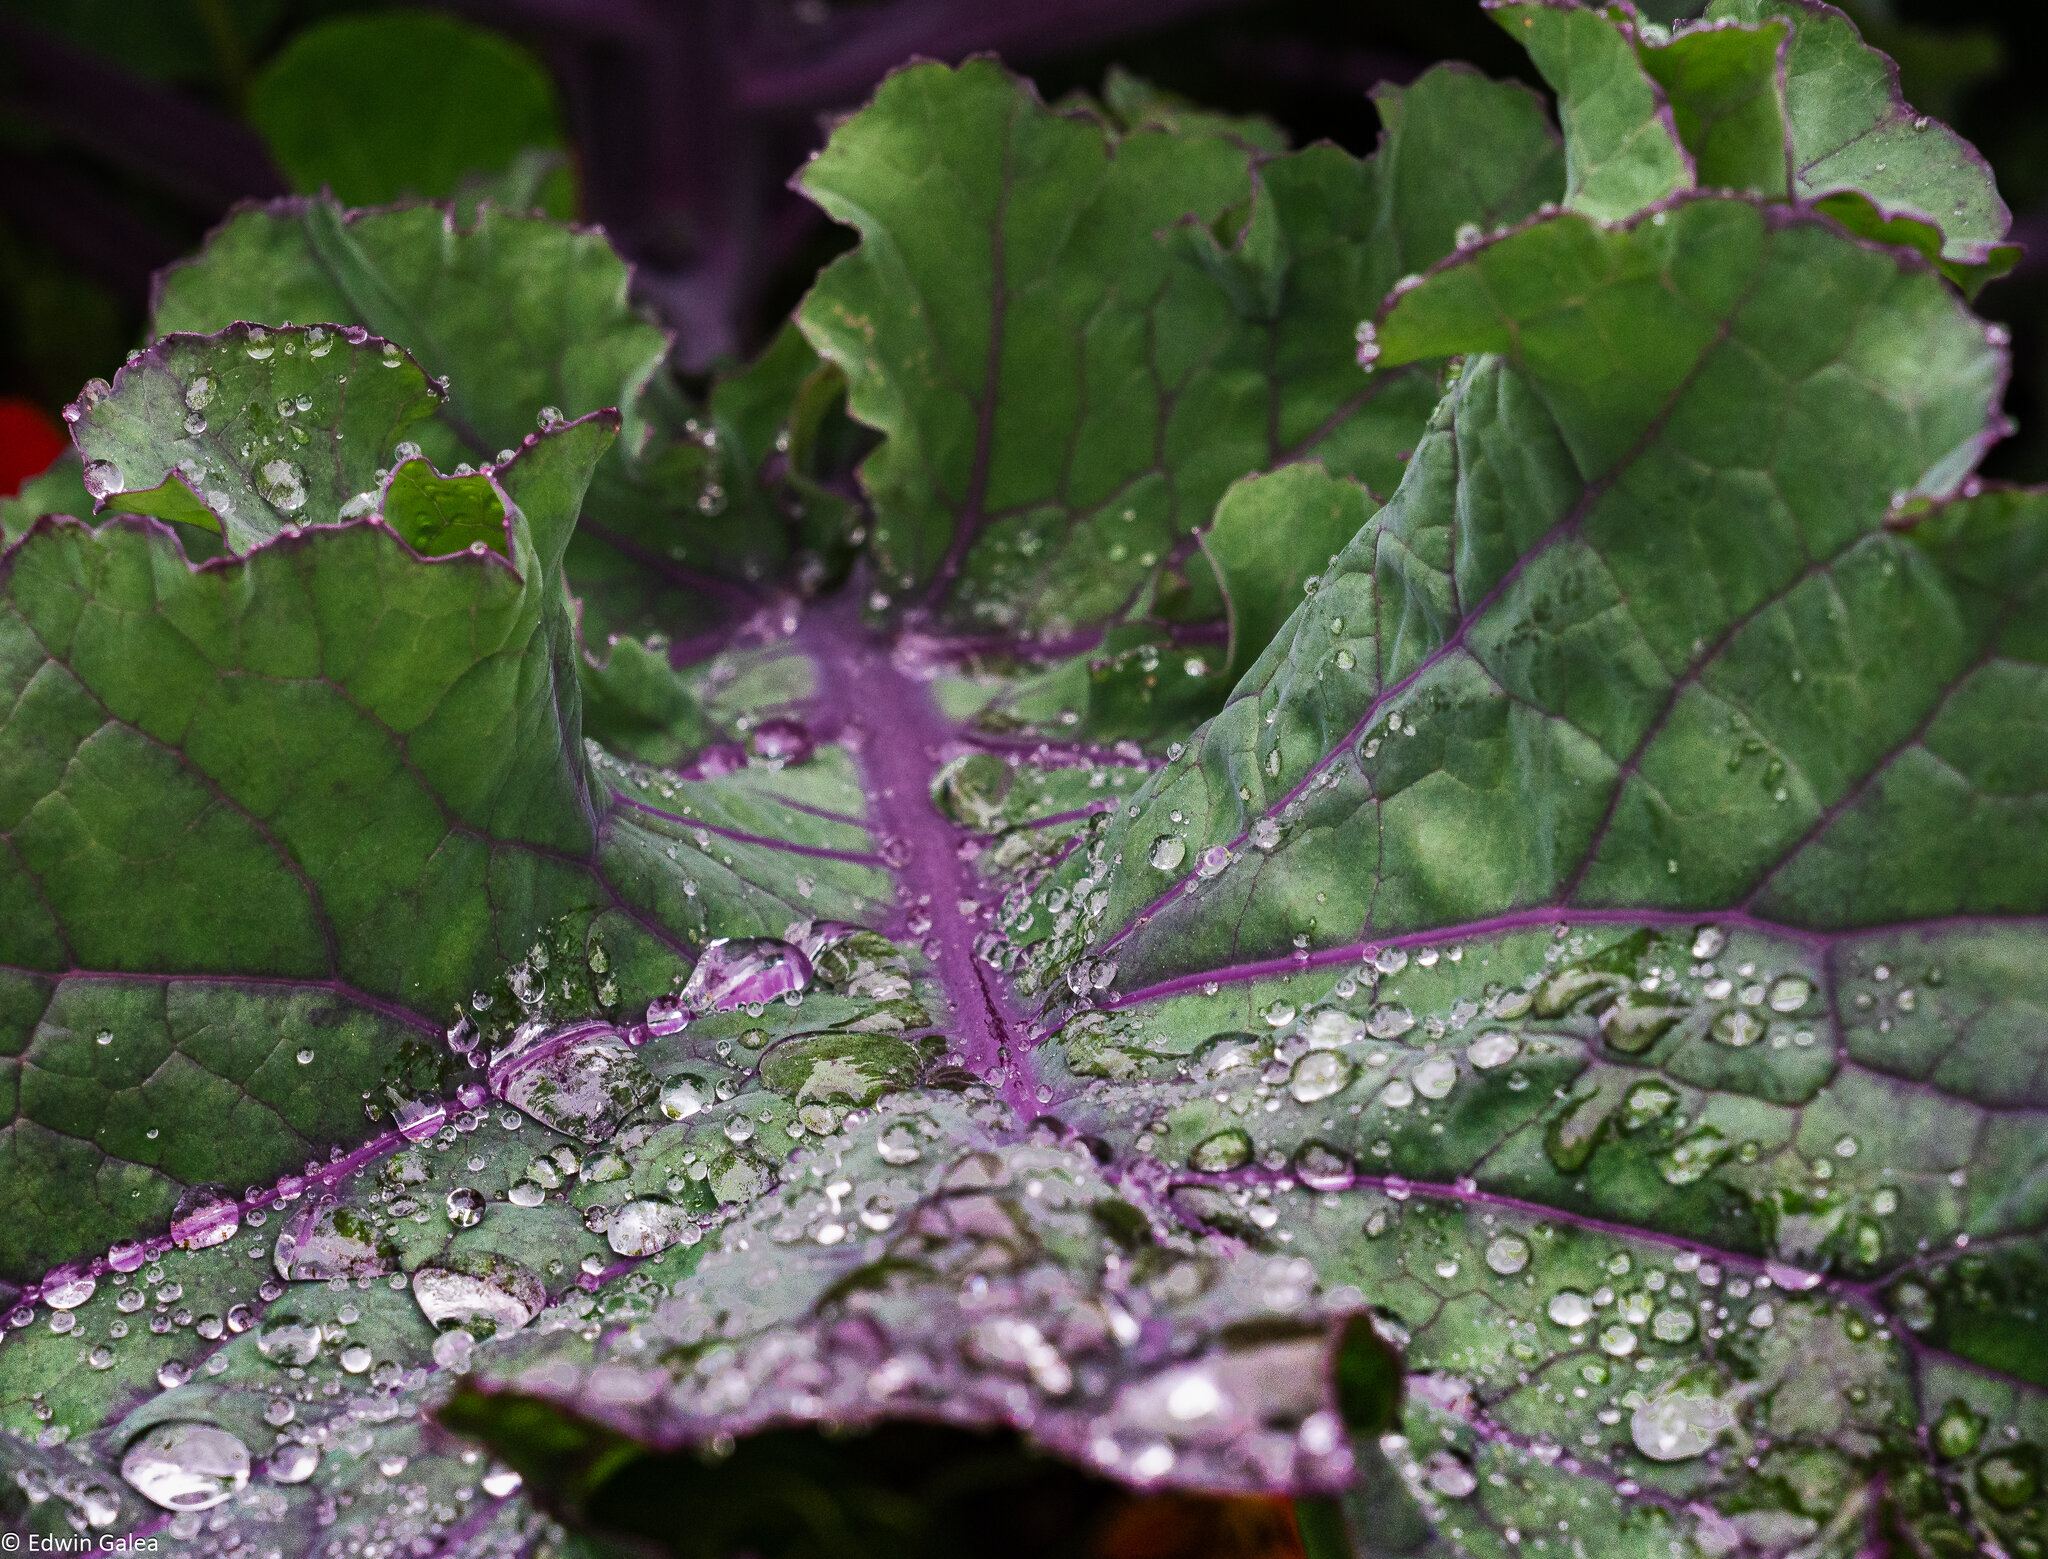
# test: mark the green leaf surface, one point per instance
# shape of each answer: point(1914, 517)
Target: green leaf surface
point(1554, 1065)
point(277, 428)
point(1622, 145)
point(1726, 87)
point(1063, 393)
point(1272, 536)
point(1853, 130)
point(521, 316)
point(378, 107)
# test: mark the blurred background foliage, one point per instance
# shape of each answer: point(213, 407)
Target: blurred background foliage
point(129, 127)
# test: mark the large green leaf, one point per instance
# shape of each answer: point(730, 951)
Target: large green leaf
point(1605, 857)
point(405, 103)
point(519, 316)
point(1853, 131)
point(1594, 954)
point(1064, 393)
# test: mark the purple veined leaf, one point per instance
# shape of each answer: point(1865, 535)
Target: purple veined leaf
point(1614, 987)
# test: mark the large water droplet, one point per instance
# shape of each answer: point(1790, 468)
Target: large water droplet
point(971, 790)
point(1683, 1420)
point(102, 478)
point(2009, 1479)
point(1436, 1077)
point(289, 1341)
point(1507, 1254)
point(647, 1227)
point(465, 1207)
point(1738, 1028)
point(1321, 1167)
point(740, 971)
point(1672, 1325)
point(292, 1462)
point(1168, 851)
point(1449, 1475)
point(1708, 941)
point(1389, 1022)
point(484, 1294)
point(199, 392)
point(1789, 992)
point(1318, 1075)
point(1227, 1150)
point(1569, 1307)
point(66, 1288)
point(326, 1240)
point(1494, 1048)
point(282, 484)
point(186, 1466)
point(682, 1097)
point(585, 1082)
point(898, 1144)
point(205, 1215)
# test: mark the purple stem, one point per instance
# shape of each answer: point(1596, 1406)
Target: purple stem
point(902, 741)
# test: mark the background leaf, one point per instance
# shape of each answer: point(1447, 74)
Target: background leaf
point(398, 103)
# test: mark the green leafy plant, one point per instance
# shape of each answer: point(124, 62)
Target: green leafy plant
point(1247, 821)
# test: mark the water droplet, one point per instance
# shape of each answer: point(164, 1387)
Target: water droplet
point(501, 1481)
point(585, 1083)
point(1278, 1013)
point(682, 1098)
point(1168, 851)
point(465, 1207)
point(1318, 1075)
point(1321, 1167)
point(739, 1128)
point(646, 1227)
point(292, 1462)
point(186, 1466)
point(1618, 1341)
point(1265, 835)
point(1672, 1325)
point(102, 478)
point(1507, 1254)
point(1494, 1048)
point(740, 971)
point(287, 1340)
point(1227, 1150)
point(1789, 993)
point(66, 1288)
point(1681, 1421)
point(484, 1294)
point(1214, 859)
point(205, 1215)
point(1389, 1022)
point(1436, 1077)
point(1448, 1475)
point(1569, 1307)
point(257, 343)
point(550, 417)
point(1708, 941)
point(779, 743)
point(283, 485)
point(1738, 1028)
point(898, 1144)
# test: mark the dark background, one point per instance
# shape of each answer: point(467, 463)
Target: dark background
point(123, 136)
